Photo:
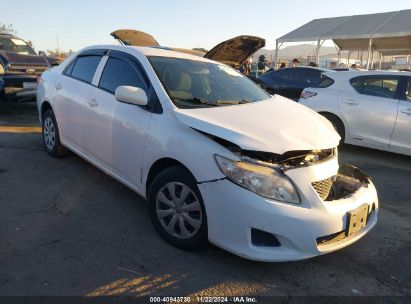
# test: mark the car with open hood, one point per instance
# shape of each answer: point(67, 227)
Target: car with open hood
point(215, 156)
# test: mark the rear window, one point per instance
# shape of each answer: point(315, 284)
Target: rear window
point(378, 86)
point(358, 83)
point(286, 74)
point(325, 82)
point(312, 77)
point(70, 67)
point(85, 67)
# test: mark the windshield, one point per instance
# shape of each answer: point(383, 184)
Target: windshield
point(15, 45)
point(194, 84)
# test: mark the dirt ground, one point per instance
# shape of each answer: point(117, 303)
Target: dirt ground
point(66, 228)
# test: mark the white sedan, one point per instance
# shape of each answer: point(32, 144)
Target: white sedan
point(215, 156)
point(370, 109)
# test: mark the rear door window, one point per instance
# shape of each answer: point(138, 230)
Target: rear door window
point(85, 67)
point(120, 73)
point(378, 86)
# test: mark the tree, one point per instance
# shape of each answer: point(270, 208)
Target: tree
point(7, 29)
point(200, 49)
point(59, 53)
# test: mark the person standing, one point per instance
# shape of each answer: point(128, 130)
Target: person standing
point(295, 63)
point(261, 65)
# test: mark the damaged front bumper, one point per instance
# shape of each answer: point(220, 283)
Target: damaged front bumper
point(315, 227)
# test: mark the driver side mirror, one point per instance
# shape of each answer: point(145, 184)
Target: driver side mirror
point(132, 95)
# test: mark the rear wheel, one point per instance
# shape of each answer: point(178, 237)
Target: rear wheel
point(51, 136)
point(337, 124)
point(177, 209)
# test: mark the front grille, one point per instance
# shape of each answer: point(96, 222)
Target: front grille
point(323, 187)
point(22, 69)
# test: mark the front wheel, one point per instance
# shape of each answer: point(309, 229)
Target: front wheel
point(51, 136)
point(177, 209)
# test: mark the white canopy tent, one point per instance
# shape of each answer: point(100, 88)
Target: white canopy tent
point(387, 33)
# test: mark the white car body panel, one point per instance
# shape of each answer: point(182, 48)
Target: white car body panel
point(369, 121)
point(268, 129)
point(125, 141)
point(401, 137)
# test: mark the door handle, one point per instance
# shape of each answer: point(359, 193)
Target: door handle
point(406, 111)
point(57, 86)
point(350, 102)
point(92, 102)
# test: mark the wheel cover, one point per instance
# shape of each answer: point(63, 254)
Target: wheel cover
point(49, 133)
point(179, 210)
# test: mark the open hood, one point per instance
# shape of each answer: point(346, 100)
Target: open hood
point(232, 52)
point(135, 38)
point(276, 125)
point(235, 51)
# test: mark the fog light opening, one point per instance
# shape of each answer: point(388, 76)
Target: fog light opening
point(263, 239)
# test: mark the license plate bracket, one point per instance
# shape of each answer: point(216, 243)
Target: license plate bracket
point(356, 219)
point(30, 85)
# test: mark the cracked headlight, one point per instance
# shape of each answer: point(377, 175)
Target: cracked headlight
point(262, 180)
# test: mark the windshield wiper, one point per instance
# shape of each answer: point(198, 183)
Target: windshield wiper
point(215, 103)
point(232, 102)
point(197, 100)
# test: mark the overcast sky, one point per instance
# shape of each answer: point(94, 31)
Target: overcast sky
point(178, 23)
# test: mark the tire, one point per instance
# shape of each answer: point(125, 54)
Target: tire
point(337, 124)
point(181, 224)
point(51, 136)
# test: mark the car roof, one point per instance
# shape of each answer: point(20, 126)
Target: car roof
point(350, 74)
point(6, 35)
point(149, 51)
point(307, 67)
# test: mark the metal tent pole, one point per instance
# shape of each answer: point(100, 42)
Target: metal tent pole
point(381, 60)
point(276, 55)
point(369, 53)
point(372, 60)
point(317, 59)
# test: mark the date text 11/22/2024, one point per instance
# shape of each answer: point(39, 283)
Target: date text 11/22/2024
point(203, 299)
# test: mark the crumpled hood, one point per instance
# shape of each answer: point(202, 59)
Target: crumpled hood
point(276, 125)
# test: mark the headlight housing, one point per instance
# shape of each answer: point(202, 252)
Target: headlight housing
point(1, 69)
point(262, 180)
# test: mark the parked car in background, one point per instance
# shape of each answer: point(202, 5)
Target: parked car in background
point(370, 109)
point(20, 66)
point(216, 157)
point(290, 82)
